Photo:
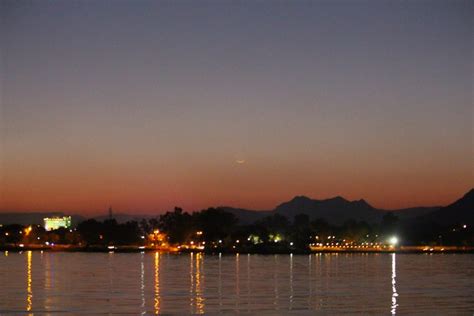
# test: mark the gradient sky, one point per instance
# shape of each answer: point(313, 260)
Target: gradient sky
point(144, 105)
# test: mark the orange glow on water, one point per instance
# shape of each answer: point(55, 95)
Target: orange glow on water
point(29, 288)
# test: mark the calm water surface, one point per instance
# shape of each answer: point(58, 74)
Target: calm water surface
point(151, 283)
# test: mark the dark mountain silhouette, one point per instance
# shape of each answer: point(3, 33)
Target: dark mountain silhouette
point(246, 216)
point(335, 210)
point(413, 212)
point(34, 218)
point(123, 218)
point(459, 212)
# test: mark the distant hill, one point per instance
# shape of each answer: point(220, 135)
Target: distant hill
point(123, 218)
point(459, 212)
point(246, 216)
point(413, 212)
point(335, 210)
point(35, 218)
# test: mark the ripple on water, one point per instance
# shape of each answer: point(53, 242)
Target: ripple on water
point(155, 283)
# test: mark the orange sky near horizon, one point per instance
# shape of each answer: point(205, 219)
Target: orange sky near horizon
point(78, 189)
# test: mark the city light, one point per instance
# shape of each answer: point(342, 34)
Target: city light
point(276, 238)
point(53, 223)
point(393, 241)
point(28, 230)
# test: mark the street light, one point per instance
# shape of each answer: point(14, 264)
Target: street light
point(28, 230)
point(393, 240)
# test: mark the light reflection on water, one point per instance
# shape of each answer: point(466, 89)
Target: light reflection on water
point(394, 287)
point(29, 291)
point(237, 279)
point(142, 282)
point(198, 286)
point(291, 281)
point(155, 283)
point(196, 298)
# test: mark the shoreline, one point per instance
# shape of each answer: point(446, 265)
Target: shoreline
point(139, 249)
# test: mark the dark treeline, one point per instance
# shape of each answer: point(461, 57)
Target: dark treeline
point(218, 229)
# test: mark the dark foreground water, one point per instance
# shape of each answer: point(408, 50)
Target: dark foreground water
point(35, 283)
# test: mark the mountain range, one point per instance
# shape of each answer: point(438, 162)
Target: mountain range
point(33, 218)
point(337, 210)
point(334, 210)
point(459, 212)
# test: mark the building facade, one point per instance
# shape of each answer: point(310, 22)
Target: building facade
point(52, 223)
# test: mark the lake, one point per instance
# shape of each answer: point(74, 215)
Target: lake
point(158, 283)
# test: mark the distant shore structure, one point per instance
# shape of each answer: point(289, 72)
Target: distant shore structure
point(56, 222)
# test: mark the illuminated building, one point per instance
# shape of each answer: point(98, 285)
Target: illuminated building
point(52, 223)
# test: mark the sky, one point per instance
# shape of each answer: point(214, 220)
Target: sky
point(147, 105)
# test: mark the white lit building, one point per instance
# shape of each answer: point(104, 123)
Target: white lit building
point(52, 223)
